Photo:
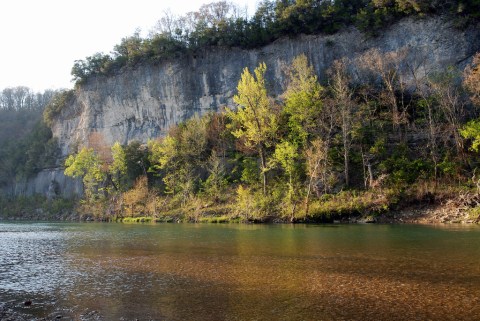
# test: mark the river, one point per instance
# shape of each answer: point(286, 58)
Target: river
point(109, 271)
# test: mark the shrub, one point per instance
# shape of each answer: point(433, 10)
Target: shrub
point(55, 106)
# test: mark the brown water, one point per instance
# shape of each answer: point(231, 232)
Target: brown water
point(241, 272)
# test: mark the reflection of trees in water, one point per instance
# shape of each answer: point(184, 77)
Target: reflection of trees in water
point(205, 272)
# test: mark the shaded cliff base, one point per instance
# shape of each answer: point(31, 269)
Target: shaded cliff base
point(418, 205)
point(38, 208)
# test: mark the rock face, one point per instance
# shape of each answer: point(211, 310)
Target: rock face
point(143, 102)
point(49, 182)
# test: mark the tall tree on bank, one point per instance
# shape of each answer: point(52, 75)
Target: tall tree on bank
point(344, 104)
point(450, 99)
point(256, 120)
point(87, 165)
point(303, 103)
point(387, 66)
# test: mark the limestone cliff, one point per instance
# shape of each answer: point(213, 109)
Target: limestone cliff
point(142, 103)
point(50, 182)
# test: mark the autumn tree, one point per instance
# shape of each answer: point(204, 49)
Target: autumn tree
point(168, 25)
point(216, 182)
point(87, 165)
point(164, 157)
point(286, 155)
point(180, 156)
point(118, 168)
point(428, 114)
point(449, 97)
point(472, 79)
point(344, 105)
point(303, 100)
point(136, 199)
point(387, 67)
point(101, 167)
point(256, 119)
point(317, 165)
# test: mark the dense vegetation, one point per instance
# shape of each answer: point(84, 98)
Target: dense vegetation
point(26, 143)
point(322, 151)
point(224, 24)
point(317, 151)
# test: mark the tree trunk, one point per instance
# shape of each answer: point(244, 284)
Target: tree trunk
point(307, 197)
point(346, 157)
point(263, 159)
point(370, 174)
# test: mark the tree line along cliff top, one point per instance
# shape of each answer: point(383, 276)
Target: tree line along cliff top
point(226, 25)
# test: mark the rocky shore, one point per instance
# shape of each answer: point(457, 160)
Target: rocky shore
point(464, 209)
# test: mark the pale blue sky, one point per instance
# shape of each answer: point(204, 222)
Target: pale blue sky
point(41, 39)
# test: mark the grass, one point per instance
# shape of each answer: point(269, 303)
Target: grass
point(140, 219)
point(349, 203)
point(219, 219)
point(253, 208)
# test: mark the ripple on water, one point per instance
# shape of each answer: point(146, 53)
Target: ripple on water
point(236, 273)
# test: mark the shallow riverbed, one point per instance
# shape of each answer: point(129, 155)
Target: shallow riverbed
point(240, 272)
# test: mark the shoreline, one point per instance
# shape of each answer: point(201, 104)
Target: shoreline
point(424, 214)
point(460, 207)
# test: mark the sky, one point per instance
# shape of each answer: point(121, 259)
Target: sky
point(40, 40)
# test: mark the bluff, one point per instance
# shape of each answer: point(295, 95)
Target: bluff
point(142, 103)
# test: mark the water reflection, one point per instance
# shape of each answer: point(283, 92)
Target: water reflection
point(242, 272)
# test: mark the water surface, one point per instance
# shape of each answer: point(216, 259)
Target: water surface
point(241, 272)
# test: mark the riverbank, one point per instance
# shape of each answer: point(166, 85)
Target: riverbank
point(445, 206)
point(464, 209)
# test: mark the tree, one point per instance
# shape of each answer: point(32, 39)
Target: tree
point(428, 115)
point(216, 182)
point(317, 161)
point(118, 167)
point(167, 25)
point(449, 97)
point(344, 104)
point(136, 160)
point(164, 156)
point(286, 154)
point(472, 79)
point(471, 130)
point(136, 199)
point(58, 102)
point(180, 156)
point(86, 164)
point(303, 100)
point(256, 118)
point(98, 64)
point(388, 66)
point(130, 49)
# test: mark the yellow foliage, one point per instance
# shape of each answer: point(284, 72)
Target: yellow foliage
point(135, 200)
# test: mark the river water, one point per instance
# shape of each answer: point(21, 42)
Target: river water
point(240, 272)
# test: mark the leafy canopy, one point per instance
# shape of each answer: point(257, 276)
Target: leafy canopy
point(257, 122)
